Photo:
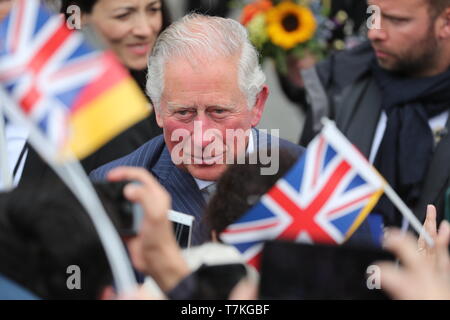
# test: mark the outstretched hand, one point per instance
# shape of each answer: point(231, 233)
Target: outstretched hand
point(418, 277)
point(441, 238)
point(154, 251)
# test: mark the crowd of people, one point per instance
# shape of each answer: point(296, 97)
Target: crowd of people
point(390, 96)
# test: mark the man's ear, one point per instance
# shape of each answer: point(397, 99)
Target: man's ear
point(444, 25)
point(260, 103)
point(159, 119)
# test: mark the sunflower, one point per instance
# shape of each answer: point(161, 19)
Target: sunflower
point(289, 24)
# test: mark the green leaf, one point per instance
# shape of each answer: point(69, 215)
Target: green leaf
point(281, 61)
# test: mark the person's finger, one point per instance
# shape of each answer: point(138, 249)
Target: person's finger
point(429, 226)
point(404, 246)
point(443, 237)
point(132, 174)
point(244, 290)
point(134, 246)
point(442, 254)
point(149, 193)
point(386, 234)
point(141, 293)
point(155, 204)
point(393, 281)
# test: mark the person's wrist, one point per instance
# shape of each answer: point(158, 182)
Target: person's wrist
point(168, 269)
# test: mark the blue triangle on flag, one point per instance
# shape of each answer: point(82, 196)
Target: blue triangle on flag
point(356, 182)
point(4, 26)
point(41, 19)
point(330, 153)
point(258, 212)
point(43, 122)
point(344, 223)
point(244, 246)
point(295, 176)
point(82, 50)
point(68, 97)
point(9, 87)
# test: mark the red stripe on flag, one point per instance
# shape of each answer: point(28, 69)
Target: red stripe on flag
point(50, 47)
point(255, 261)
point(29, 100)
point(239, 230)
point(113, 74)
point(303, 219)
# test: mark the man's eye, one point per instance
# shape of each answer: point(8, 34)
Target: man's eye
point(398, 20)
point(122, 16)
point(184, 113)
point(219, 112)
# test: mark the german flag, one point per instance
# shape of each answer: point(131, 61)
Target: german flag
point(106, 107)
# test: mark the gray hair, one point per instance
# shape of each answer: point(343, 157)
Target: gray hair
point(209, 36)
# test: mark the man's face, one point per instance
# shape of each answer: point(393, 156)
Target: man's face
point(5, 6)
point(406, 42)
point(199, 104)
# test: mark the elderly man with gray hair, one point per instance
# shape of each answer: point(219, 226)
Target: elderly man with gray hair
point(209, 93)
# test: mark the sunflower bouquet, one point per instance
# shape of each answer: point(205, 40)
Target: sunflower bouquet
point(283, 28)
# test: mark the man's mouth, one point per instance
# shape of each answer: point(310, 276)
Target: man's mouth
point(206, 160)
point(381, 53)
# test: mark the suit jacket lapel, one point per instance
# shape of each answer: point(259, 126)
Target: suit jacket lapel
point(438, 175)
point(186, 196)
point(362, 106)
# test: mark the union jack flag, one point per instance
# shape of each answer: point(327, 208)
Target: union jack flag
point(322, 199)
point(52, 72)
point(44, 66)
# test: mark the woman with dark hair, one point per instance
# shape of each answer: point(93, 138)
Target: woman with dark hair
point(130, 29)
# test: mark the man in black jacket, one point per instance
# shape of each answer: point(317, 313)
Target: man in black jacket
point(391, 98)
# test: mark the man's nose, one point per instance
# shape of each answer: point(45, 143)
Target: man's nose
point(200, 135)
point(376, 34)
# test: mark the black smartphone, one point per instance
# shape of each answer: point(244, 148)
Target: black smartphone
point(125, 215)
point(308, 272)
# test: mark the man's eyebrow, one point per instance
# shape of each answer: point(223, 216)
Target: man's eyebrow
point(176, 106)
point(223, 106)
point(126, 8)
point(395, 17)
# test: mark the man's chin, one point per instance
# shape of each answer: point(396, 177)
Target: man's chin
point(385, 64)
point(206, 172)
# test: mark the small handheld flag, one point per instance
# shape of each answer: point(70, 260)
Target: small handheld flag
point(322, 199)
point(80, 96)
point(71, 98)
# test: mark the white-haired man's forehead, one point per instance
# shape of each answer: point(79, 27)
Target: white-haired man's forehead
point(198, 59)
point(174, 106)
